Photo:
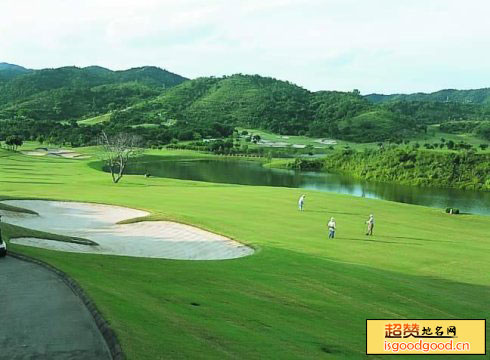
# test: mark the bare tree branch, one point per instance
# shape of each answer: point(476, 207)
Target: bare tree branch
point(117, 151)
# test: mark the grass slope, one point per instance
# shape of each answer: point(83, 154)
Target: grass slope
point(299, 296)
point(95, 120)
point(433, 136)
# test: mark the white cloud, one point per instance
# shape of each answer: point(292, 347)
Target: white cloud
point(375, 45)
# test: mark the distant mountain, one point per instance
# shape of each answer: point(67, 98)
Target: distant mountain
point(10, 71)
point(247, 100)
point(150, 75)
point(7, 66)
point(475, 96)
point(32, 82)
point(72, 92)
point(151, 95)
point(261, 102)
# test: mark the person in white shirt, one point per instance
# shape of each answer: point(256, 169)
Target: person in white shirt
point(301, 202)
point(370, 225)
point(332, 226)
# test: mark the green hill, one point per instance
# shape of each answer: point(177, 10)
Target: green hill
point(474, 96)
point(79, 102)
point(375, 125)
point(332, 107)
point(149, 75)
point(253, 101)
point(10, 71)
point(428, 112)
point(71, 92)
point(212, 106)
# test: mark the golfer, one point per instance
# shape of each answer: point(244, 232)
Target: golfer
point(370, 225)
point(301, 202)
point(331, 228)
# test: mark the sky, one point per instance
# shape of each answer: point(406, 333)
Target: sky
point(382, 46)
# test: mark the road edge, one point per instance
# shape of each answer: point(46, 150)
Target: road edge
point(107, 332)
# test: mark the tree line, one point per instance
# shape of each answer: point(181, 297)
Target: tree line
point(408, 165)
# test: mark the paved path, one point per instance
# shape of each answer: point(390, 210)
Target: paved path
point(41, 317)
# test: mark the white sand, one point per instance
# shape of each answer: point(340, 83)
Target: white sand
point(68, 154)
point(273, 143)
point(326, 141)
point(154, 239)
point(34, 153)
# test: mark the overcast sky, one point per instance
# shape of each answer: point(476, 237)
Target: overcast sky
point(373, 45)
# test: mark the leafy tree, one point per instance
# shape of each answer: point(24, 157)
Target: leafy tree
point(14, 141)
point(465, 170)
point(483, 130)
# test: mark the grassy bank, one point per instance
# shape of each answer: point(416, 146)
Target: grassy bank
point(299, 296)
point(404, 165)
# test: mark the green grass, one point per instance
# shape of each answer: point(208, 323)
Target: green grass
point(433, 136)
point(13, 229)
point(299, 296)
point(279, 163)
point(17, 209)
point(95, 120)
point(299, 140)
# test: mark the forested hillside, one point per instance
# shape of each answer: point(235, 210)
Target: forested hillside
point(475, 96)
point(427, 112)
point(10, 71)
point(78, 102)
point(70, 92)
point(416, 167)
point(253, 101)
point(408, 165)
point(166, 106)
point(278, 106)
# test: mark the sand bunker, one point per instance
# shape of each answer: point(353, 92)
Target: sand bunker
point(154, 239)
point(326, 141)
point(273, 143)
point(68, 154)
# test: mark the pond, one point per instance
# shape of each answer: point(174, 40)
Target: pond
point(252, 173)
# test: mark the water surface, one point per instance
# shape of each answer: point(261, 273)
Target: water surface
point(252, 173)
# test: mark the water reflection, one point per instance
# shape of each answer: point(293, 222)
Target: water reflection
point(252, 173)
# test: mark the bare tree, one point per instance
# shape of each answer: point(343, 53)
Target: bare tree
point(117, 150)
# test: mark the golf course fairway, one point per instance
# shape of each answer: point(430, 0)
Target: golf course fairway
point(300, 295)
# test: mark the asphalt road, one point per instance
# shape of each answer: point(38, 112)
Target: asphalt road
point(41, 317)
